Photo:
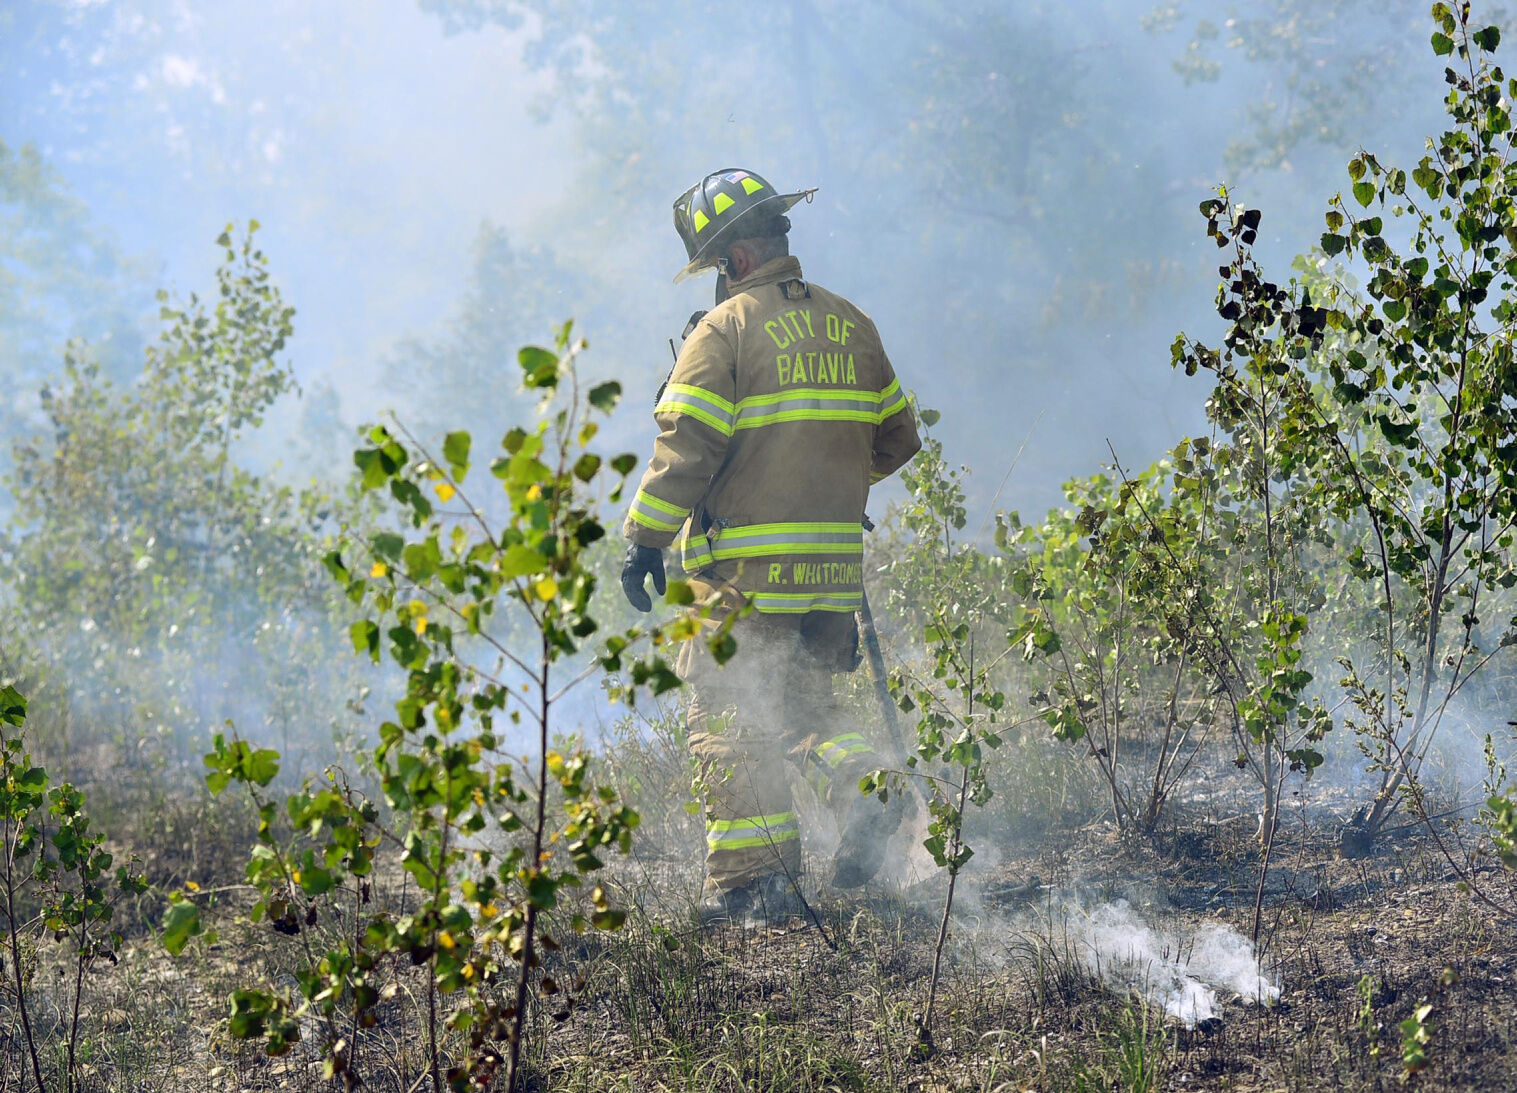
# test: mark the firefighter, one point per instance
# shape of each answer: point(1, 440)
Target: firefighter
point(781, 411)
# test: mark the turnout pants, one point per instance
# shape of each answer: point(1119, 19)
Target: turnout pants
point(768, 708)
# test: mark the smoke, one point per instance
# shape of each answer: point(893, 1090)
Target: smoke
point(1182, 970)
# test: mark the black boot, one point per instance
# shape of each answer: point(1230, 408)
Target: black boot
point(768, 901)
point(865, 834)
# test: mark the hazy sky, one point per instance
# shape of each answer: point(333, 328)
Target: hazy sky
point(368, 143)
point(373, 145)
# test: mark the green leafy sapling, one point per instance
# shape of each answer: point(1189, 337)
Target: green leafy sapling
point(490, 622)
point(1392, 410)
point(946, 582)
point(57, 881)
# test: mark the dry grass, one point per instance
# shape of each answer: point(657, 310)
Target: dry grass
point(1357, 946)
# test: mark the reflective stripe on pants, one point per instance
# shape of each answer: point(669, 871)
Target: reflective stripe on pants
point(769, 709)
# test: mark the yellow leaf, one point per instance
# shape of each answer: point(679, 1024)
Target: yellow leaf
point(378, 569)
point(445, 939)
point(489, 910)
point(546, 589)
point(419, 624)
point(534, 492)
point(192, 886)
point(445, 491)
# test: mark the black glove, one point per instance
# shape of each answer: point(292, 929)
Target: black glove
point(641, 561)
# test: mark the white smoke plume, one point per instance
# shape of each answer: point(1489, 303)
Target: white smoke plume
point(1181, 970)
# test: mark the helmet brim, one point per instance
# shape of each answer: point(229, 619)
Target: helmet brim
point(707, 260)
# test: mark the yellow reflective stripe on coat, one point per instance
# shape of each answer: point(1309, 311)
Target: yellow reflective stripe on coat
point(808, 404)
point(656, 513)
point(694, 551)
point(760, 540)
point(750, 831)
point(697, 402)
point(892, 400)
point(841, 747)
point(798, 603)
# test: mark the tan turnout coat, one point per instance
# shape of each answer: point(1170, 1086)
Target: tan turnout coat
point(781, 411)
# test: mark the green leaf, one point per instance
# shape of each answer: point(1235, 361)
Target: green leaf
point(586, 466)
point(1397, 434)
point(365, 635)
point(608, 919)
point(181, 923)
point(542, 890)
point(1364, 192)
point(520, 561)
point(12, 706)
point(374, 467)
point(1443, 45)
point(604, 396)
point(624, 463)
point(262, 765)
point(931, 417)
point(539, 366)
point(388, 545)
point(455, 449)
point(316, 881)
point(1333, 244)
point(1488, 38)
point(1427, 178)
point(723, 647)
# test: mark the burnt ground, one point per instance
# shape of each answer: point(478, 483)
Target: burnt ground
point(1356, 947)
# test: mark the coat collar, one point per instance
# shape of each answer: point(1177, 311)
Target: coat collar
point(772, 272)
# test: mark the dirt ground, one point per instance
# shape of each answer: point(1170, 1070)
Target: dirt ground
point(1354, 947)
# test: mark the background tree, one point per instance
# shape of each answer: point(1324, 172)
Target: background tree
point(1403, 418)
point(163, 585)
point(61, 277)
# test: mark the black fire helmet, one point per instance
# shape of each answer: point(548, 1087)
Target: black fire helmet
point(706, 213)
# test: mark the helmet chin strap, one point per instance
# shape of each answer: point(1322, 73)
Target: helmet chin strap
point(721, 285)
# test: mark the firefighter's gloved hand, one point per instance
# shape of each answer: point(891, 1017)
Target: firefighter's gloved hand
point(641, 561)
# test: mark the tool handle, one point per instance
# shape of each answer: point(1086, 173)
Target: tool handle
point(870, 640)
